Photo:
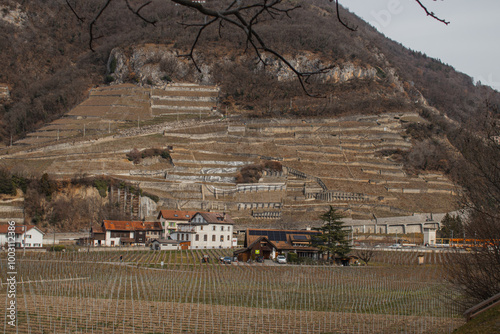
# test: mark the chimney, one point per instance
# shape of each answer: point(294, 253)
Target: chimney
point(224, 216)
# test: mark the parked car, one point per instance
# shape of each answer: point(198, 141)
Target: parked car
point(395, 246)
point(227, 260)
point(281, 259)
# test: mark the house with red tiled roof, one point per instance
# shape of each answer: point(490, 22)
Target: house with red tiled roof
point(127, 233)
point(28, 236)
point(206, 230)
point(170, 218)
point(268, 243)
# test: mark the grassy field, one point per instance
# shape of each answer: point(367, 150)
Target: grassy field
point(80, 292)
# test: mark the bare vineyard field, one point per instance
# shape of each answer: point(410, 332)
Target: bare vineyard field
point(94, 292)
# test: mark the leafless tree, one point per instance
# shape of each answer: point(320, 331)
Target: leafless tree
point(244, 16)
point(477, 273)
point(365, 254)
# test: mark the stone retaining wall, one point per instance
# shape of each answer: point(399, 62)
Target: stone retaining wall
point(259, 205)
point(267, 214)
point(420, 191)
point(212, 162)
point(332, 196)
point(148, 172)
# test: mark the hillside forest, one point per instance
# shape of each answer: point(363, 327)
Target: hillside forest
point(48, 66)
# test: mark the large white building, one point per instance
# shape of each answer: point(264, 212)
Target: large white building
point(169, 219)
point(28, 236)
point(206, 230)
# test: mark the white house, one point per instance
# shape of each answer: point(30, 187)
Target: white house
point(170, 218)
point(28, 236)
point(164, 244)
point(206, 230)
point(125, 233)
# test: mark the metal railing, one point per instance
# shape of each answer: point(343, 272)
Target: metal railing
point(481, 307)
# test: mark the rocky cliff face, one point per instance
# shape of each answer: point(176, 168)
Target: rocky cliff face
point(4, 92)
point(13, 15)
point(154, 64)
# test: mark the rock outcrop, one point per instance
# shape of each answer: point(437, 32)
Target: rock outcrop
point(158, 64)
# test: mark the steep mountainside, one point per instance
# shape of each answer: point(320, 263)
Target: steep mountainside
point(46, 62)
point(237, 135)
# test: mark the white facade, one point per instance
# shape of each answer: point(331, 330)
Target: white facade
point(32, 239)
point(429, 236)
point(164, 245)
point(169, 220)
point(115, 240)
point(203, 236)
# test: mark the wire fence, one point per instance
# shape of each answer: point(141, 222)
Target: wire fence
point(95, 292)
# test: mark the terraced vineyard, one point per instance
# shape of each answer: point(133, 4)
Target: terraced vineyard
point(337, 161)
point(95, 292)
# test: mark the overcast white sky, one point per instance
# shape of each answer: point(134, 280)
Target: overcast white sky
point(470, 43)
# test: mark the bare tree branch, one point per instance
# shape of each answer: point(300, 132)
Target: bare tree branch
point(193, 46)
point(74, 12)
point(243, 16)
point(431, 14)
point(340, 20)
point(136, 12)
point(91, 25)
point(235, 15)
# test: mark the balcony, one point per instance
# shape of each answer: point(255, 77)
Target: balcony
point(188, 229)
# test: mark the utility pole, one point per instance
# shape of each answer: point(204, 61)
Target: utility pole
point(90, 233)
point(24, 241)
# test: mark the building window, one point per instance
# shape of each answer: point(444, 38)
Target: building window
point(213, 237)
point(228, 238)
point(197, 237)
point(213, 228)
point(120, 234)
point(222, 228)
point(205, 237)
point(201, 228)
point(221, 238)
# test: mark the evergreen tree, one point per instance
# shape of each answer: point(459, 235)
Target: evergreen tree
point(451, 226)
point(334, 238)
